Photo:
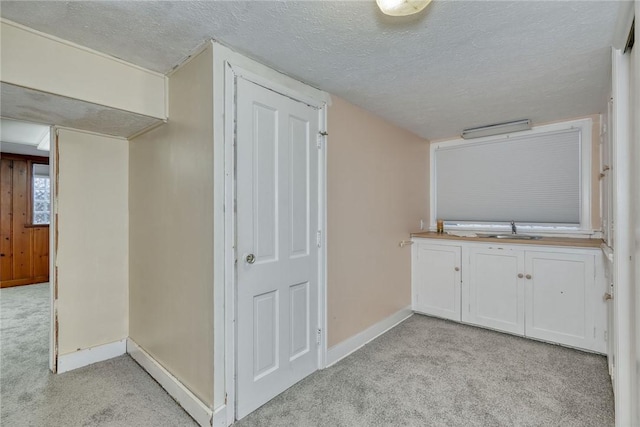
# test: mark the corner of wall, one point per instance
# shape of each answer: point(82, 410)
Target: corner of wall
point(171, 231)
point(377, 193)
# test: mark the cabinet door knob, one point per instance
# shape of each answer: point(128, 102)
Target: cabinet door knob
point(457, 269)
point(528, 276)
point(520, 276)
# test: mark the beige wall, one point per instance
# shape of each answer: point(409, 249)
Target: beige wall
point(171, 238)
point(378, 190)
point(93, 254)
point(34, 60)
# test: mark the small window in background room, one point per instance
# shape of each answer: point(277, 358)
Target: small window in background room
point(41, 195)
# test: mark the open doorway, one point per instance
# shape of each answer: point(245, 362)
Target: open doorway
point(25, 217)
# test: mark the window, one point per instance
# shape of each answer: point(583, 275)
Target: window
point(41, 191)
point(538, 178)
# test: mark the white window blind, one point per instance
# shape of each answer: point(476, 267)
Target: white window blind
point(529, 179)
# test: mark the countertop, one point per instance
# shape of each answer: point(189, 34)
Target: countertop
point(546, 241)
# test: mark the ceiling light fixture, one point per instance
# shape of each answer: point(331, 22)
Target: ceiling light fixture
point(497, 129)
point(402, 7)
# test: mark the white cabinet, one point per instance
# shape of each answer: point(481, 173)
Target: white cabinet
point(494, 289)
point(436, 280)
point(560, 298)
point(548, 293)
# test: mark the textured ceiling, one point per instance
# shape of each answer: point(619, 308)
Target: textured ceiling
point(457, 64)
point(39, 107)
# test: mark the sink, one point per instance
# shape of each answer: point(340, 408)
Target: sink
point(511, 236)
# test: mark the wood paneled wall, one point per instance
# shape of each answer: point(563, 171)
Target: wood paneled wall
point(24, 247)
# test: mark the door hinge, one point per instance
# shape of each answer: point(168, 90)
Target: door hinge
point(318, 336)
point(319, 238)
point(606, 335)
point(594, 332)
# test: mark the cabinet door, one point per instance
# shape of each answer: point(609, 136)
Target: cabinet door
point(611, 347)
point(436, 280)
point(493, 291)
point(559, 295)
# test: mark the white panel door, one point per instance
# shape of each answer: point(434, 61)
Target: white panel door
point(277, 254)
point(560, 291)
point(436, 280)
point(494, 289)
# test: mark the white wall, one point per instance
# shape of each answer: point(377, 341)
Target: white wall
point(92, 258)
point(635, 197)
point(626, 205)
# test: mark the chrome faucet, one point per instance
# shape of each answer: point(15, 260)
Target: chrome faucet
point(513, 227)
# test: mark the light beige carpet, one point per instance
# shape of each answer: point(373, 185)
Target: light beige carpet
point(113, 393)
point(425, 372)
point(431, 372)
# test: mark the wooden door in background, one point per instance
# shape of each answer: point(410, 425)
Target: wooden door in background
point(24, 247)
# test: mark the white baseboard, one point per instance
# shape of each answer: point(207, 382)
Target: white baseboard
point(198, 410)
point(220, 417)
point(78, 359)
point(348, 346)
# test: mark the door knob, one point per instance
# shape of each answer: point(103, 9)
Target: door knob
point(251, 258)
point(608, 296)
point(520, 275)
point(457, 269)
point(528, 276)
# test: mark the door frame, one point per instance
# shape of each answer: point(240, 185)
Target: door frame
point(228, 66)
point(622, 302)
point(53, 248)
